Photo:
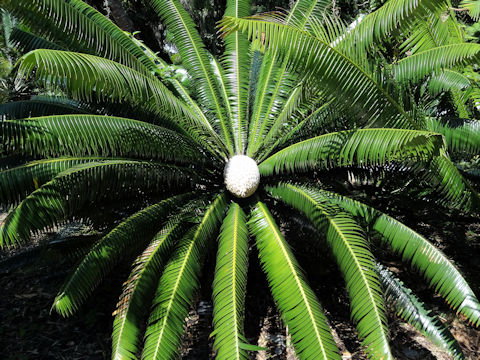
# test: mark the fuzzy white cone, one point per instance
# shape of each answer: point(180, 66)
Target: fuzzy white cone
point(241, 176)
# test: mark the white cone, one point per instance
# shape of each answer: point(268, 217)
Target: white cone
point(241, 176)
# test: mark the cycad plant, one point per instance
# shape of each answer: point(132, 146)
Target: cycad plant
point(267, 122)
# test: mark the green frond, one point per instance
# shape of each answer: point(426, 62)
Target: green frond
point(303, 11)
point(473, 7)
point(195, 59)
point(296, 301)
point(26, 41)
point(177, 286)
point(158, 65)
point(432, 264)
point(364, 147)
point(87, 77)
point(139, 289)
point(255, 68)
point(81, 28)
point(284, 117)
point(417, 66)
point(221, 81)
point(413, 311)
point(437, 28)
point(283, 96)
point(327, 68)
point(352, 252)
point(183, 93)
point(289, 132)
point(96, 135)
point(461, 136)
point(19, 181)
point(127, 238)
point(265, 87)
point(276, 83)
point(229, 286)
point(85, 183)
point(453, 189)
point(236, 61)
point(41, 106)
point(8, 24)
point(460, 99)
point(378, 25)
point(447, 80)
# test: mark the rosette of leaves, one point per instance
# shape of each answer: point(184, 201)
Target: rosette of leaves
point(125, 130)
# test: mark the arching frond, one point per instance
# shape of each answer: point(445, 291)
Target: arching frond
point(447, 80)
point(26, 41)
point(319, 63)
point(351, 250)
point(178, 284)
point(417, 66)
point(80, 27)
point(236, 61)
point(413, 311)
point(95, 135)
point(87, 77)
point(461, 136)
point(364, 147)
point(41, 106)
point(19, 181)
point(393, 14)
point(229, 286)
point(138, 291)
point(296, 301)
point(195, 59)
point(434, 266)
point(71, 189)
point(128, 237)
point(473, 7)
point(454, 190)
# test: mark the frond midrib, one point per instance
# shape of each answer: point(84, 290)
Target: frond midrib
point(207, 77)
point(352, 254)
point(175, 287)
point(234, 289)
point(359, 68)
point(294, 272)
point(124, 320)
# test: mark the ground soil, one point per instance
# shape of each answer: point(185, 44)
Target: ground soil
point(29, 279)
